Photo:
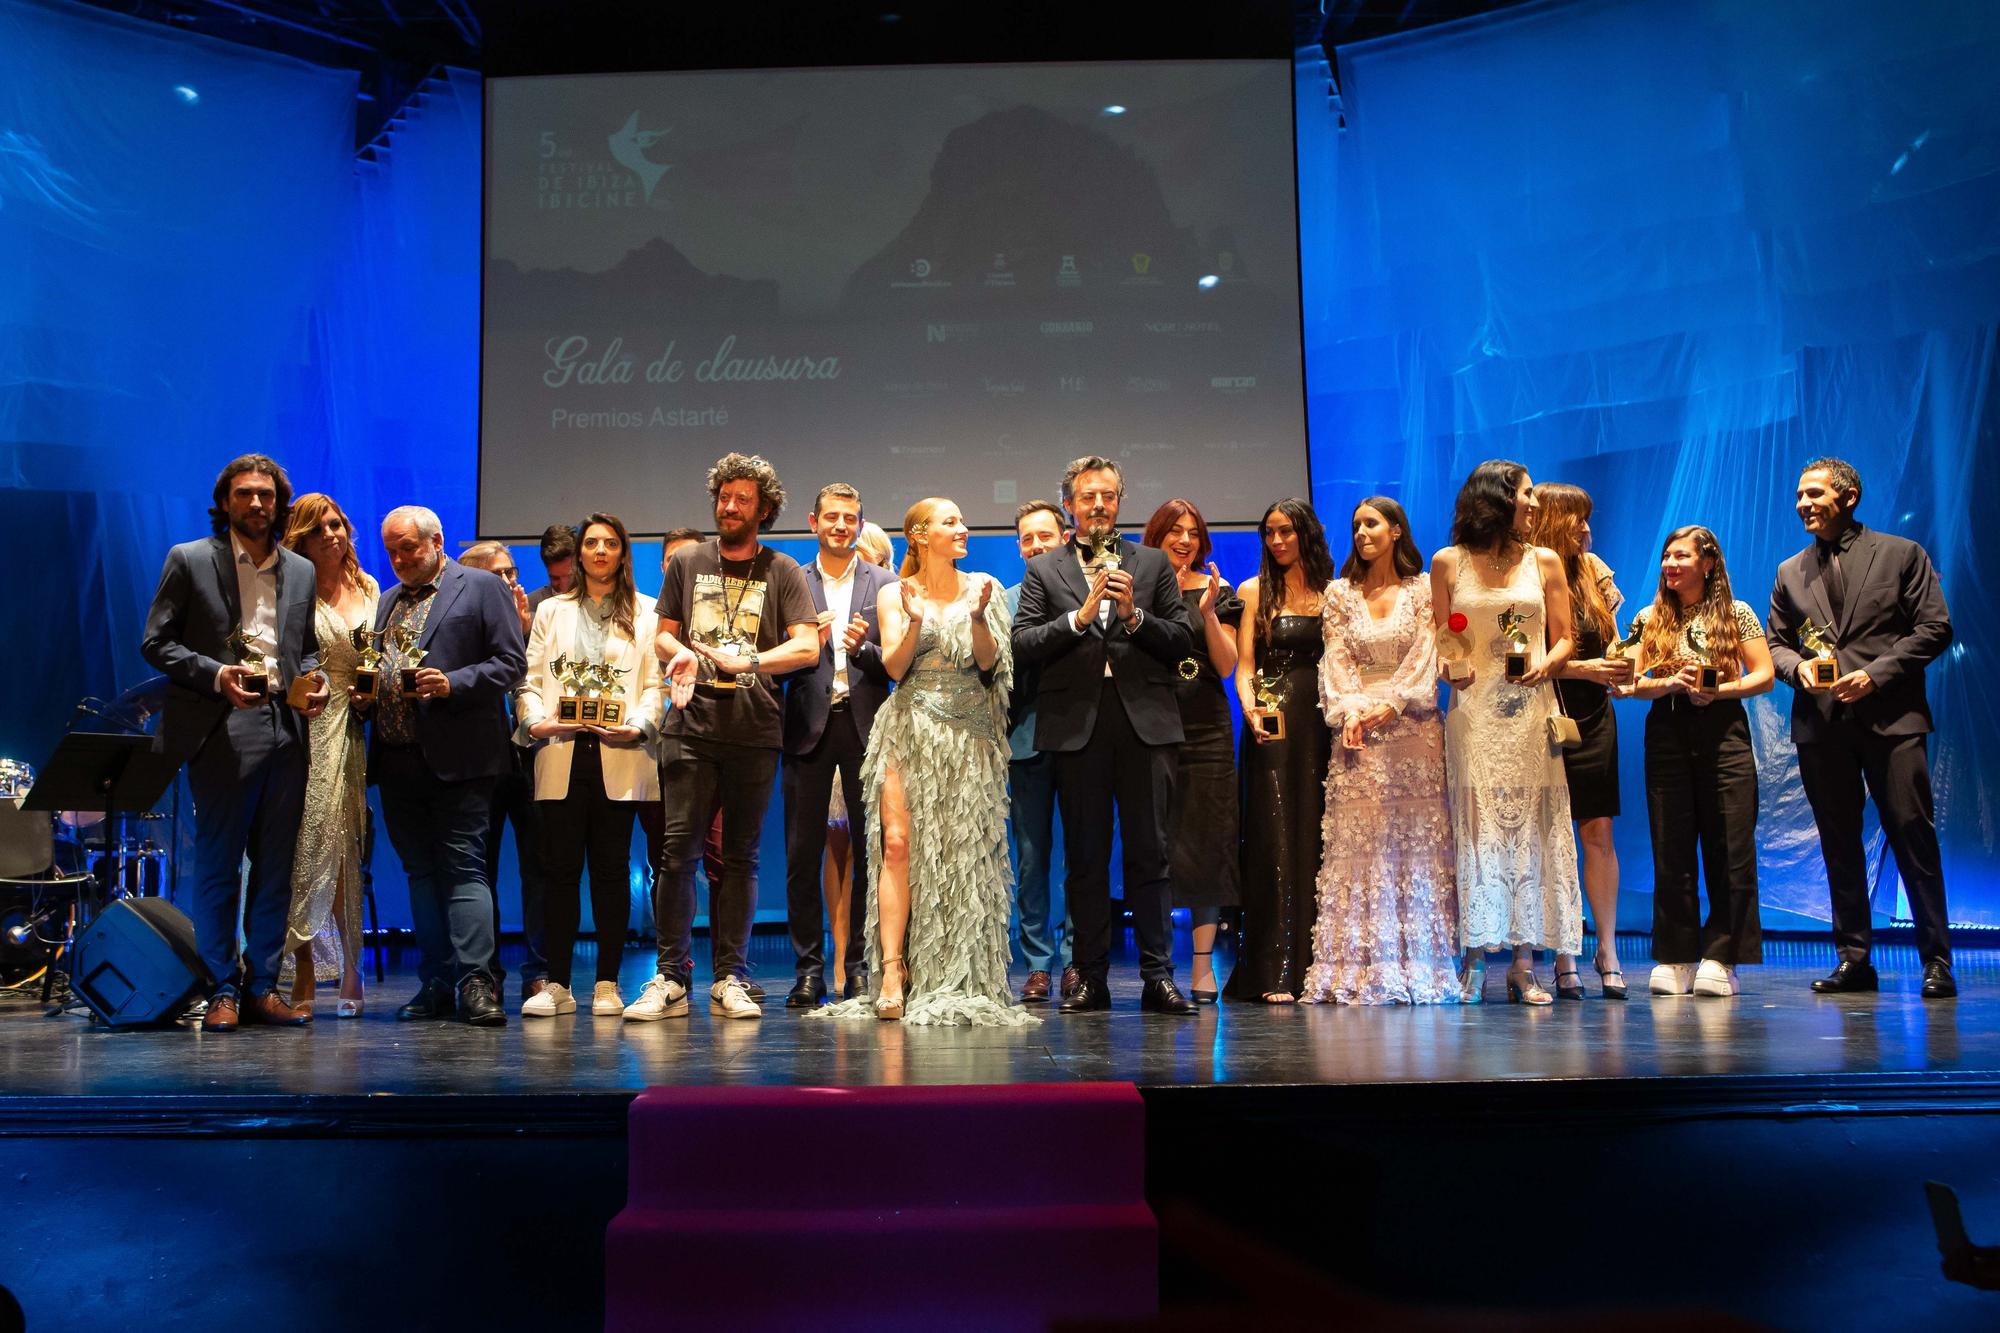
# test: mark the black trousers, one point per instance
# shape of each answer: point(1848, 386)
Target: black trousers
point(1896, 771)
point(514, 801)
point(439, 831)
point(807, 784)
point(1701, 795)
point(698, 772)
point(586, 825)
point(1117, 769)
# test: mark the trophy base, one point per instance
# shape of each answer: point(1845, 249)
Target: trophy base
point(590, 712)
point(1825, 671)
point(259, 685)
point(364, 684)
point(1710, 679)
point(1517, 666)
point(613, 713)
point(407, 679)
point(1272, 725)
point(297, 695)
point(569, 710)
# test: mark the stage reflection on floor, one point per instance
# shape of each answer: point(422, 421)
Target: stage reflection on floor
point(1776, 1028)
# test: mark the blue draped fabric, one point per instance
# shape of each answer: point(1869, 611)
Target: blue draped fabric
point(1666, 251)
point(1669, 252)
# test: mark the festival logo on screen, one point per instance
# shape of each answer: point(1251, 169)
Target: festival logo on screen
point(628, 149)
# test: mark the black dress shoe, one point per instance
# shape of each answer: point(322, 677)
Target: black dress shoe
point(1848, 978)
point(478, 1005)
point(807, 992)
point(1164, 997)
point(1938, 984)
point(1091, 993)
point(433, 1001)
point(857, 984)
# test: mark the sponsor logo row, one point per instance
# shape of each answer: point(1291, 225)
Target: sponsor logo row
point(950, 331)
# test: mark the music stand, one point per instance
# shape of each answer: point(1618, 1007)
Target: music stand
point(98, 771)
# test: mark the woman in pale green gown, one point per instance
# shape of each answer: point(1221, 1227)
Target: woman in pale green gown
point(935, 775)
point(323, 932)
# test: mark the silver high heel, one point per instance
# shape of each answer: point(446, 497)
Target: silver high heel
point(1472, 981)
point(885, 1007)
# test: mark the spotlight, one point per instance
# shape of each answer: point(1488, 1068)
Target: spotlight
point(1206, 281)
point(1114, 110)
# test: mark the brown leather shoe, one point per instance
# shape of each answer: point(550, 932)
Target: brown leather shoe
point(221, 1015)
point(1071, 980)
point(1036, 989)
point(275, 1009)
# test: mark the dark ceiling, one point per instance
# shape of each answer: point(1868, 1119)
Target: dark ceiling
point(393, 44)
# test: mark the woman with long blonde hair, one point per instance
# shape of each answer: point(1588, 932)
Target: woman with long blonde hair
point(1561, 523)
point(1702, 653)
point(935, 790)
point(323, 931)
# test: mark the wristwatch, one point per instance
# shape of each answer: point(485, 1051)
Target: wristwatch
point(753, 664)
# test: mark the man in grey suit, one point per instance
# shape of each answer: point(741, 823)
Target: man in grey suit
point(1875, 599)
point(829, 709)
point(231, 626)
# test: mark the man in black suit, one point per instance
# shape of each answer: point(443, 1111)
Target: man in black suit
point(1103, 620)
point(1876, 599)
point(829, 708)
point(437, 751)
point(232, 610)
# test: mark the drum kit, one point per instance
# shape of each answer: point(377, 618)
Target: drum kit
point(58, 867)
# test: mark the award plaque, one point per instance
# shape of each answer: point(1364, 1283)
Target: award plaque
point(1516, 639)
point(257, 667)
point(1822, 670)
point(368, 673)
point(407, 657)
point(1454, 648)
point(1270, 693)
point(603, 680)
point(1709, 675)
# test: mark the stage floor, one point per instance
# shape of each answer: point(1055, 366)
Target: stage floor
point(1776, 1031)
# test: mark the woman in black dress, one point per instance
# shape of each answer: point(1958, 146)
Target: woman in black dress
point(1286, 748)
point(1205, 825)
point(1562, 524)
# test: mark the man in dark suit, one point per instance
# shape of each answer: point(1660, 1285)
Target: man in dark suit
point(232, 610)
point(437, 751)
point(829, 708)
point(1876, 599)
point(1106, 640)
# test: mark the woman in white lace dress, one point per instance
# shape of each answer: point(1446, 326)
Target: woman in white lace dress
point(935, 779)
point(1517, 871)
point(1387, 929)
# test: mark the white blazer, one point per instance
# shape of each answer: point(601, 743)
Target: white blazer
point(630, 771)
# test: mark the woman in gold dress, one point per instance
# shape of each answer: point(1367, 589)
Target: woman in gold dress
point(323, 935)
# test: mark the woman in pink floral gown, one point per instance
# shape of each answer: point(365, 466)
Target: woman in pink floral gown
point(1387, 929)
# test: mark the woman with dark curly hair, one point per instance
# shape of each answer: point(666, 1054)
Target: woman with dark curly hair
point(1285, 752)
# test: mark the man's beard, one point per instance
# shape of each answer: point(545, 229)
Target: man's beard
point(241, 527)
point(428, 574)
point(1097, 525)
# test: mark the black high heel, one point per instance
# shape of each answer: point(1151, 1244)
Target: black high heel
point(1570, 992)
point(1612, 990)
point(1203, 996)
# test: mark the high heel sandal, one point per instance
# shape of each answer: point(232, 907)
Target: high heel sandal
point(1472, 982)
point(885, 1007)
point(1203, 996)
point(1522, 988)
point(1612, 990)
point(1572, 992)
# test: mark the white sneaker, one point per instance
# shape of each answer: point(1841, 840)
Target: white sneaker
point(552, 999)
point(1713, 978)
point(662, 997)
point(606, 1000)
point(1671, 979)
point(728, 998)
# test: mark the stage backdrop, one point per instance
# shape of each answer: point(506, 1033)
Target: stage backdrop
point(1666, 251)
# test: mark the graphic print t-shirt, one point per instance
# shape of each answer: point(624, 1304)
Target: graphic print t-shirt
point(752, 601)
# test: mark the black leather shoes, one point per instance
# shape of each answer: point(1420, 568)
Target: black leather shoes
point(478, 1005)
point(1848, 978)
point(433, 1001)
point(1938, 984)
point(1164, 997)
point(857, 984)
point(1091, 993)
point(807, 992)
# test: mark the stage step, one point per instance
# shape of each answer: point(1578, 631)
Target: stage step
point(995, 1207)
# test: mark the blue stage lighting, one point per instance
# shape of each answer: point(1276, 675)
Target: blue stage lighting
point(186, 93)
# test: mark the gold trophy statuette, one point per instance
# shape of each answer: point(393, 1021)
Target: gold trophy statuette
point(369, 671)
point(1516, 639)
point(570, 676)
point(1823, 669)
point(1707, 673)
point(724, 641)
point(260, 668)
point(601, 678)
point(1102, 554)
point(1270, 693)
point(1629, 645)
point(407, 657)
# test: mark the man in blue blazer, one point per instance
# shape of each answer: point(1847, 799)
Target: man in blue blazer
point(1039, 527)
point(232, 610)
point(829, 708)
point(437, 750)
